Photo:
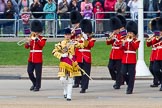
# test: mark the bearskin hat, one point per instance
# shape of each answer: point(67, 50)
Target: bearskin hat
point(36, 26)
point(159, 24)
point(153, 25)
point(122, 19)
point(75, 17)
point(132, 27)
point(67, 31)
point(86, 26)
point(115, 23)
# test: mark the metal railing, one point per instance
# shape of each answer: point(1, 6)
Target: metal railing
point(59, 24)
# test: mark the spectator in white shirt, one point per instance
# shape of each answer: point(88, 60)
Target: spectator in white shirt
point(133, 4)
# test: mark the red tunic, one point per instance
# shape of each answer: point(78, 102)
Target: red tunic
point(158, 51)
point(116, 53)
point(129, 56)
point(36, 47)
point(153, 52)
point(85, 53)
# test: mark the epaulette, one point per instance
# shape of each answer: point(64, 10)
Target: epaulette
point(93, 39)
point(44, 38)
point(137, 40)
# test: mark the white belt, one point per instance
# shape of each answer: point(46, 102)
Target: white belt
point(159, 47)
point(130, 52)
point(84, 50)
point(115, 47)
point(35, 50)
point(153, 48)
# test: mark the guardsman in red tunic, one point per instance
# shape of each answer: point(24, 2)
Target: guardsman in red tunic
point(116, 53)
point(36, 44)
point(157, 67)
point(83, 55)
point(123, 33)
point(150, 41)
point(130, 45)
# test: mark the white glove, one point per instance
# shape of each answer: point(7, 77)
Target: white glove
point(70, 56)
point(64, 55)
point(85, 36)
point(33, 38)
point(129, 40)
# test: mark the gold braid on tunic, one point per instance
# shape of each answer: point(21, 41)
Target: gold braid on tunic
point(67, 46)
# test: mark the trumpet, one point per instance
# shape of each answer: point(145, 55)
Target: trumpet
point(25, 40)
point(156, 35)
point(150, 38)
point(159, 38)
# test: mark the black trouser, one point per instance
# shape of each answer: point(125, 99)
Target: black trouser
point(155, 78)
point(157, 68)
point(128, 71)
point(36, 79)
point(84, 80)
point(114, 67)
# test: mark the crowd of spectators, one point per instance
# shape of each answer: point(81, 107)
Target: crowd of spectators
point(59, 9)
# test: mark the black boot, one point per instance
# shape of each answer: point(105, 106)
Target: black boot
point(75, 85)
point(65, 96)
point(32, 87)
point(116, 87)
point(154, 85)
point(68, 99)
point(83, 91)
point(36, 89)
point(129, 92)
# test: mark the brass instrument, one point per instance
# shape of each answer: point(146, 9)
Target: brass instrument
point(152, 26)
point(32, 36)
point(129, 37)
point(110, 35)
point(158, 38)
point(22, 41)
point(150, 38)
